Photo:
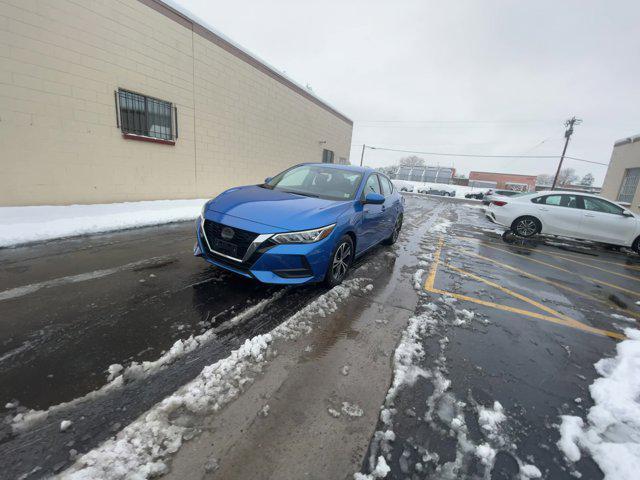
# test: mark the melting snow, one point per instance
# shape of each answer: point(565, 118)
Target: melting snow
point(611, 432)
point(140, 450)
point(30, 224)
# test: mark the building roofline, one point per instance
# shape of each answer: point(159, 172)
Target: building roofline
point(624, 141)
point(179, 14)
point(499, 173)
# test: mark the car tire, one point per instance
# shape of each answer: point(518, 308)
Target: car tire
point(526, 226)
point(636, 245)
point(396, 232)
point(340, 261)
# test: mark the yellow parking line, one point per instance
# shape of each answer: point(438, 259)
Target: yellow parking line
point(550, 282)
point(591, 279)
point(431, 278)
point(526, 313)
point(561, 320)
point(568, 256)
point(510, 292)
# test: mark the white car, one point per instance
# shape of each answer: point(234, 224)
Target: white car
point(443, 190)
point(498, 195)
point(568, 214)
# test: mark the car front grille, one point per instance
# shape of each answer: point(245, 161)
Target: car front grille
point(241, 238)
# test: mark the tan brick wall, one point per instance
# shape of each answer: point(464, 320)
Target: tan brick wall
point(62, 60)
point(623, 156)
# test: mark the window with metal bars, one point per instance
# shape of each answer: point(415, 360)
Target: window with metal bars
point(629, 185)
point(327, 156)
point(146, 116)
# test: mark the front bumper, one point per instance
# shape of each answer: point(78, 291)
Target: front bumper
point(285, 264)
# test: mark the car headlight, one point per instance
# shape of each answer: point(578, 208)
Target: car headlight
point(304, 236)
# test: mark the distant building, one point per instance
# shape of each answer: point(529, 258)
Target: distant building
point(503, 181)
point(426, 174)
point(623, 175)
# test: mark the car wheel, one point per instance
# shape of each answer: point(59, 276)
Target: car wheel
point(340, 261)
point(636, 245)
point(396, 232)
point(526, 226)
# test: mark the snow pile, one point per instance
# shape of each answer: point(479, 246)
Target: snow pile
point(611, 434)
point(490, 418)
point(381, 471)
point(31, 224)
point(141, 449)
point(441, 227)
point(118, 375)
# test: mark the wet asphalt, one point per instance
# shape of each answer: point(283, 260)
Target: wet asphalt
point(537, 369)
point(70, 308)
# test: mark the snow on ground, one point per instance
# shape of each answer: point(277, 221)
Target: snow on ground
point(441, 227)
point(31, 224)
point(445, 415)
point(141, 449)
point(611, 432)
point(119, 375)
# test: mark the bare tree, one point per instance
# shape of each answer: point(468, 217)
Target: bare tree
point(587, 180)
point(544, 179)
point(412, 161)
point(567, 176)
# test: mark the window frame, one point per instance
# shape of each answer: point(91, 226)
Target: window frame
point(597, 199)
point(623, 186)
point(382, 177)
point(132, 135)
point(579, 202)
point(325, 155)
point(364, 186)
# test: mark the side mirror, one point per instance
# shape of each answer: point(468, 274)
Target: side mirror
point(267, 180)
point(374, 198)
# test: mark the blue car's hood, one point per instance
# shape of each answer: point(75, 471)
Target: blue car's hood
point(278, 209)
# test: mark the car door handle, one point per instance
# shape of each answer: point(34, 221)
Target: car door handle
point(589, 215)
point(543, 209)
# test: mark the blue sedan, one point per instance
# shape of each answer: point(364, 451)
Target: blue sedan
point(306, 224)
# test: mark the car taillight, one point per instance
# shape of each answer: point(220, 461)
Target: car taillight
point(499, 203)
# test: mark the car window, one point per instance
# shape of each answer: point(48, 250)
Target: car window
point(570, 201)
point(372, 185)
point(387, 188)
point(318, 181)
point(600, 205)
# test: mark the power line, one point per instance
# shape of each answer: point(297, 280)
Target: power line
point(470, 155)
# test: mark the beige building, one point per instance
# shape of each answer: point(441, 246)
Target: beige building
point(622, 180)
point(120, 100)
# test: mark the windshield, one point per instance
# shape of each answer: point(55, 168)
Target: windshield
point(318, 181)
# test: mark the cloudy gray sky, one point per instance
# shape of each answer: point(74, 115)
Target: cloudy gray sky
point(464, 76)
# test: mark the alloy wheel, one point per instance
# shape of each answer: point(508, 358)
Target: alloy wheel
point(526, 227)
point(341, 261)
point(396, 230)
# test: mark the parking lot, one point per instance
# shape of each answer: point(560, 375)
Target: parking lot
point(520, 323)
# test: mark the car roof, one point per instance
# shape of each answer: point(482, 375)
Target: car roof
point(354, 168)
point(568, 192)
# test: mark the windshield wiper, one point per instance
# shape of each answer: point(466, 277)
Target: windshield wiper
point(304, 194)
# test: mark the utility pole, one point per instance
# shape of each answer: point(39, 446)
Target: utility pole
point(567, 135)
point(362, 154)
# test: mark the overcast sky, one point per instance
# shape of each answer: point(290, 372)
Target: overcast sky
point(478, 77)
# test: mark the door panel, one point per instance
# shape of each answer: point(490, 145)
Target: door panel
point(372, 217)
point(391, 204)
point(604, 222)
point(560, 215)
